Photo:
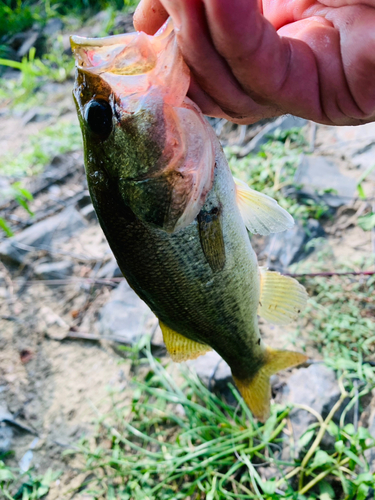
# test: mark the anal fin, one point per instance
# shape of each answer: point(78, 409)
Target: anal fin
point(260, 213)
point(257, 391)
point(181, 348)
point(282, 298)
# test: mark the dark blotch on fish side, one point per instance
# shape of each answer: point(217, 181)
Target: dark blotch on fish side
point(211, 237)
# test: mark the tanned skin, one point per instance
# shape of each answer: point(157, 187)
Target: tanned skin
point(314, 59)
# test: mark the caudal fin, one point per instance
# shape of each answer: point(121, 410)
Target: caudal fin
point(257, 391)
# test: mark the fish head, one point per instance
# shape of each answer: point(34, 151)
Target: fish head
point(143, 138)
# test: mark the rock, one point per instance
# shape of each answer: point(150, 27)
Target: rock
point(6, 432)
point(54, 270)
point(36, 115)
point(6, 438)
point(370, 453)
point(30, 41)
point(213, 371)
point(317, 175)
point(282, 123)
point(43, 235)
point(109, 270)
point(52, 26)
point(125, 316)
point(366, 159)
point(316, 387)
point(283, 249)
point(89, 213)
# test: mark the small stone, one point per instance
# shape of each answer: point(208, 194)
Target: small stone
point(288, 247)
point(52, 26)
point(318, 176)
point(89, 213)
point(43, 235)
point(36, 115)
point(213, 371)
point(125, 316)
point(54, 270)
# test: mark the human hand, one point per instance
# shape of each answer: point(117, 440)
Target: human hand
point(256, 59)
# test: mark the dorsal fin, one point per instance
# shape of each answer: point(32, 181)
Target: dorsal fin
point(260, 213)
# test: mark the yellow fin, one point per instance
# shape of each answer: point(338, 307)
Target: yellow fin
point(260, 213)
point(282, 298)
point(181, 348)
point(257, 391)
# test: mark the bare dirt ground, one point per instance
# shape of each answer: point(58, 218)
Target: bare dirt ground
point(54, 386)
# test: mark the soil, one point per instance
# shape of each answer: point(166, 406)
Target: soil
point(56, 387)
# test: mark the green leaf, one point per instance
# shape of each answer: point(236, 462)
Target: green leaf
point(340, 446)
point(4, 226)
point(306, 438)
point(6, 475)
point(361, 192)
point(326, 491)
point(367, 222)
point(321, 458)
point(353, 457)
point(362, 492)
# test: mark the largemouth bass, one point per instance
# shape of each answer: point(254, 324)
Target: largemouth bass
point(175, 218)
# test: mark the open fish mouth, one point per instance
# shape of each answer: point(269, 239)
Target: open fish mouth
point(128, 54)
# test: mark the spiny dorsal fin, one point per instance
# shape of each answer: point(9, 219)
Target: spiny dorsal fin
point(181, 348)
point(282, 298)
point(257, 391)
point(260, 213)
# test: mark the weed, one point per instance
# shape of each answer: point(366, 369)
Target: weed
point(31, 487)
point(34, 73)
point(180, 442)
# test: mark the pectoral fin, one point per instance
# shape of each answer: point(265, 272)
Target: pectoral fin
point(211, 237)
point(260, 213)
point(281, 298)
point(257, 391)
point(181, 348)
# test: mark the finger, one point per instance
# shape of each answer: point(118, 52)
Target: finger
point(149, 16)
point(210, 108)
point(271, 69)
point(324, 41)
point(357, 38)
point(210, 70)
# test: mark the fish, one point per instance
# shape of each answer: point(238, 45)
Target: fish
point(176, 220)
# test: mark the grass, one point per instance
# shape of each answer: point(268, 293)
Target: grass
point(42, 147)
point(179, 441)
point(27, 486)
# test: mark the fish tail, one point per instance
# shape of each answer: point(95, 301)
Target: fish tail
point(257, 390)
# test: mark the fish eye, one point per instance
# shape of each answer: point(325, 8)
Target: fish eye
point(98, 116)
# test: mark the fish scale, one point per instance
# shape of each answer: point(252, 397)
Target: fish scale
point(157, 265)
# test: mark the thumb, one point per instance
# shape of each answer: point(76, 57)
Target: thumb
point(149, 16)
